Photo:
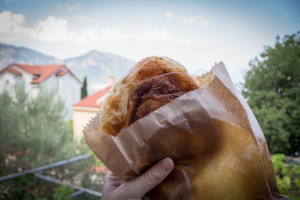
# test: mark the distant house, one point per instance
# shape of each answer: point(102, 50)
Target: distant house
point(42, 76)
point(86, 109)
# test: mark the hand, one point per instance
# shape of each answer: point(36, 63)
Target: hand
point(116, 188)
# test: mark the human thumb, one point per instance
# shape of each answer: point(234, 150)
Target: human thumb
point(153, 177)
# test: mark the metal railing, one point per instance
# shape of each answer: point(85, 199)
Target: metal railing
point(78, 190)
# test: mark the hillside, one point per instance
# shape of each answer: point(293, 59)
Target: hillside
point(10, 53)
point(97, 66)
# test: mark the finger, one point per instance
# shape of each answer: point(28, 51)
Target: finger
point(154, 176)
point(109, 176)
point(113, 180)
point(111, 183)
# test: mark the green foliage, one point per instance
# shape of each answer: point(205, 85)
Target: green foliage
point(84, 92)
point(62, 192)
point(70, 129)
point(22, 188)
point(283, 173)
point(83, 172)
point(272, 88)
point(287, 175)
point(33, 133)
point(32, 130)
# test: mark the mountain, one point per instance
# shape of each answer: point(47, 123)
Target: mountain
point(97, 66)
point(9, 54)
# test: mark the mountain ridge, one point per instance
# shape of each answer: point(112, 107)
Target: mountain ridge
point(96, 65)
point(23, 55)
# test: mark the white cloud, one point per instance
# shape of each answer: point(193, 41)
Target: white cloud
point(53, 29)
point(13, 29)
point(195, 20)
point(9, 21)
point(169, 15)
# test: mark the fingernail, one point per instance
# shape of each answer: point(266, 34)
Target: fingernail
point(166, 164)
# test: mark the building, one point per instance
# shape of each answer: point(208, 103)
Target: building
point(36, 77)
point(88, 108)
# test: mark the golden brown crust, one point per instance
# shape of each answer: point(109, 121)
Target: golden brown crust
point(150, 84)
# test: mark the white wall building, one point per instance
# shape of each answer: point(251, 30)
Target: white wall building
point(49, 77)
point(86, 109)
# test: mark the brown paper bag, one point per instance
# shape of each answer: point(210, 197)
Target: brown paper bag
point(213, 137)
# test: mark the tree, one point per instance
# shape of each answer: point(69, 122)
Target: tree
point(84, 92)
point(272, 88)
point(32, 131)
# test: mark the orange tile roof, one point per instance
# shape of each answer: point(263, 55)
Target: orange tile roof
point(46, 71)
point(93, 100)
point(13, 71)
point(43, 71)
point(62, 72)
point(32, 69)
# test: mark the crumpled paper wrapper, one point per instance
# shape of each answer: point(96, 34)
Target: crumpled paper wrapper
point(217, 145)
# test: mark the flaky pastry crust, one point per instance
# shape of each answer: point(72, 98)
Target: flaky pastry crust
point(150, 84)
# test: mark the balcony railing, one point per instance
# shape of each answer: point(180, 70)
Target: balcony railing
point(78, 190)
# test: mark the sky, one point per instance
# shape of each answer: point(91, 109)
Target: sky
point(195, 33)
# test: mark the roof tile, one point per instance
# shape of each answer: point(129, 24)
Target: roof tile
point(93, 100)
point(43, 71)
point(62, 72)
point(14, 71)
